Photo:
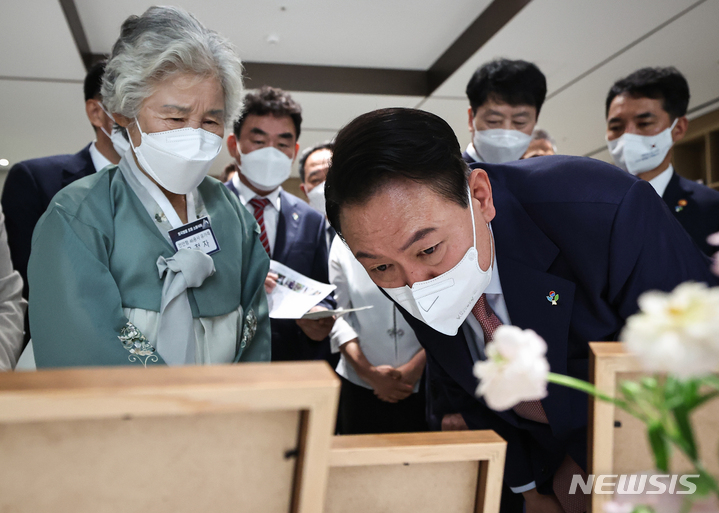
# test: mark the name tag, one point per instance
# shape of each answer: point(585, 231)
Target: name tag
point(195, 235)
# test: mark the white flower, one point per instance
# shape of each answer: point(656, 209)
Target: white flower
point(676, 332)
point(515, 370)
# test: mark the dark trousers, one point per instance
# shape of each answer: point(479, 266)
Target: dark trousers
point(362, 412)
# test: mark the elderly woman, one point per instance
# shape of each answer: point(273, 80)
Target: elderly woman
point(151, 261)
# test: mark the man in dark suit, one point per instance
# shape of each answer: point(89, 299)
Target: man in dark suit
point(454, 246)
point(505, 98)
point(313, 165)
point(31, 184)
point(264, 144)
point(646, 115)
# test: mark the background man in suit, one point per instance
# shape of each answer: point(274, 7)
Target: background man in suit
point(264, 144)
point(31, 184)
point(418, 219)
point(505, 98)
point(313, 165)
point(646, 115)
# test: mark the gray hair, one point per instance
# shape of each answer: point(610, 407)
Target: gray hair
point(540, 133)
point(162, 42)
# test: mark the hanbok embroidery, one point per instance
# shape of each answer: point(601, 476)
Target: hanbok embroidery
point(249, 329)
point(140, 349)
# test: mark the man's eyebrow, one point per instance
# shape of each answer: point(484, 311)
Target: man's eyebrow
point(614, 120)
point(362, 254)
point(524, 113)
point(286, 135)
point(258, 131)
point(645, 115)
point(418, 235)
point(491, 112)
point(216, 112)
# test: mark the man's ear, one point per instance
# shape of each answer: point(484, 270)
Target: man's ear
point(304, 190)
point(297, 151)
point(680, 129)
point(232, 146)
point(471, 119)
point(94, 113)
point(481, 192)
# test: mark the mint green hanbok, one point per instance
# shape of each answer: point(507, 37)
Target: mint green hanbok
point(96, 295)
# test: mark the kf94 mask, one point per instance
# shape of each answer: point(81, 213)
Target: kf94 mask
point(444, 302)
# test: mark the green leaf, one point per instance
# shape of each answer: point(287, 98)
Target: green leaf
point(630, 390)
point(660, 448)
point(681, 416)
point(649, 383)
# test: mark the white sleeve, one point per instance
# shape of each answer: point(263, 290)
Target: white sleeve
point(12, 306)
point(342, 332)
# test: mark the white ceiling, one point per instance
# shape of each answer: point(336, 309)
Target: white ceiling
point(582, 47)
point(360, 33)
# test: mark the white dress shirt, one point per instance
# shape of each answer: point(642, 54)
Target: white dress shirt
point(661, 181)
point(472, 152)
point(271, 212)
point(98, 159)
point(384, 336)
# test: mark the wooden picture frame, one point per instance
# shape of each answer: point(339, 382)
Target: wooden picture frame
point(250, 437)
point(458, 471)
point(617, 442)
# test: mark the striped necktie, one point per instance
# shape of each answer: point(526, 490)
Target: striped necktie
point(533, 410)
point(259, 204)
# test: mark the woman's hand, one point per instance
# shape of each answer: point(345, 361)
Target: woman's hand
point(387, 383)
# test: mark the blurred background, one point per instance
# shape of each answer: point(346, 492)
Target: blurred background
point(341, 59)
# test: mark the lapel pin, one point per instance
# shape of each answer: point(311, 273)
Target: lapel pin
point(295, 216)
point(680, 205)
point(553, 297)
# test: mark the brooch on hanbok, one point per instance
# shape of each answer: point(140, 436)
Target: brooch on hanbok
point(250, 328)
point(140, 349)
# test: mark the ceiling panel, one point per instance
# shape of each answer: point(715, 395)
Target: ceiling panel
point(454, 112)
point(36, 41)
point(362, 33)
point(576, 116)
point(565, 38)
point(41, 119)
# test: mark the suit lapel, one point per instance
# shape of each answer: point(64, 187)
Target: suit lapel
point(674, 193)
point(287, 228)
point(78, 167)
point(524, 255)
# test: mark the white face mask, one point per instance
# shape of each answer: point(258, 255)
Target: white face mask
point(641, 153)
point(178, 160)
point(316, 198)
point(266, 168)
point(118, 140)
point(444, 302)
point(496, 146)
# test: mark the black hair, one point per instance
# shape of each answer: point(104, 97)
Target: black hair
point(272, 101)
point(513, 82)
point(327, 145)
point(93, 81)
point(666, 84)
point(394, 144)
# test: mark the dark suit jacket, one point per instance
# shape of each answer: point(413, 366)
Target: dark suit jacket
point(300, 245)
point(698, 213)
point(597, 236)
point(29, 187)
